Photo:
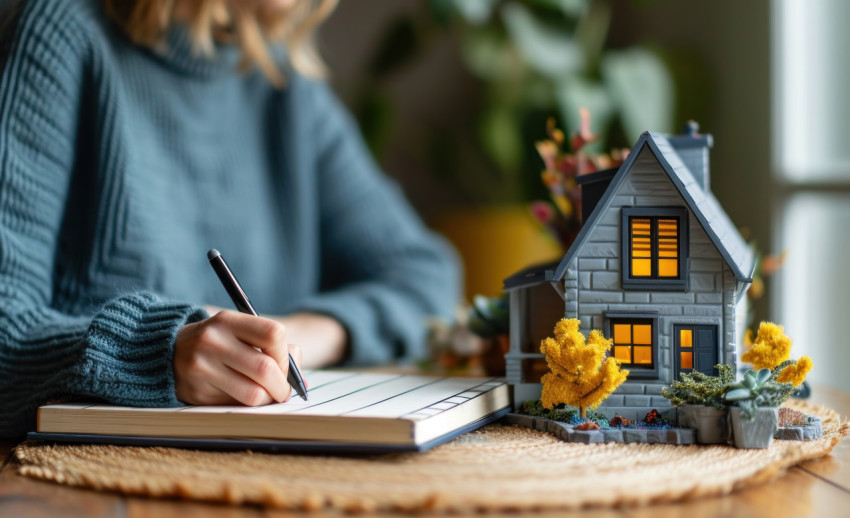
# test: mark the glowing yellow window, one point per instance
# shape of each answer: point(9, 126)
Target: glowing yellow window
point(642, 334)
point(633, 342)
point(643, 355)
point(622, 333)
point(668, 248)
point(654, 247)
point(623, 353)
point(641, 233)
point(686, 338)
point(686, 360)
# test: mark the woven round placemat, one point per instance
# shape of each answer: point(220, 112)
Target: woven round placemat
point(498, 468)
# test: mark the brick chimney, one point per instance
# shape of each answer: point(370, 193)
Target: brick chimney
point(693, 148)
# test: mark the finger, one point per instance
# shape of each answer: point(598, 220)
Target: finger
point(209, 395)
point(280, 352)
point(258, 367)
point(258, 332)
point(239, 387)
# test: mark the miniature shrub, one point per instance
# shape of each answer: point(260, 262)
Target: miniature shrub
point(561, 414)
point(619, 421)
point(558, 413)
point(697, 388)
point(653, 418)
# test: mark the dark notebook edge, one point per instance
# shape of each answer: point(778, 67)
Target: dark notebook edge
point(264, 445)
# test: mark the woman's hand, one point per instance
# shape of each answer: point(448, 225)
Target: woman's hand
point(216, 363)
point(324, 339)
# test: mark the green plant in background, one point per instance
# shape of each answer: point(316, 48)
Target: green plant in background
point(697, 388)
point(533, 58)
point(756, 390)
point(488, 316)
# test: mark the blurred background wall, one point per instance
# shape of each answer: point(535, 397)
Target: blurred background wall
point(453, 94)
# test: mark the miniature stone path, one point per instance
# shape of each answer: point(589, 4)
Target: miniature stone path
point(567, 433)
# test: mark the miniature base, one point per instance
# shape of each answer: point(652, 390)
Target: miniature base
point(568, 433)
point(809, 432)
point(498, 468)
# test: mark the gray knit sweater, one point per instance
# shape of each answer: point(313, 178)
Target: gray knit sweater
point(120, 167)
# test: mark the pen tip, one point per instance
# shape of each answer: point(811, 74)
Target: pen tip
point(212, 254)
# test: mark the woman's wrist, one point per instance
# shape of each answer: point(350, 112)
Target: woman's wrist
point(323, 339)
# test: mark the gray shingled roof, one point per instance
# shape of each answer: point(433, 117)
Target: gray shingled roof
point(716, 223)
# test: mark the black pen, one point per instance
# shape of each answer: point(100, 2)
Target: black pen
point(240, 299)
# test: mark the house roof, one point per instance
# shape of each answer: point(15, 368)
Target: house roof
point(705, 207)
point(531, 276)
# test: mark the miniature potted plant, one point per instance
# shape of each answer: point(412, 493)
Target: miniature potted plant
point(754, 415)
point(700, 404)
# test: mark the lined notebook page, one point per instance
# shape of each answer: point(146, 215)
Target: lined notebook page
point(340, 393)
point(337, 393)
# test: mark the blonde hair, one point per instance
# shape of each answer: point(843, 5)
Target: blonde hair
point(147, 21)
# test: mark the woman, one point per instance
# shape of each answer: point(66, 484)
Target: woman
point(137, 134)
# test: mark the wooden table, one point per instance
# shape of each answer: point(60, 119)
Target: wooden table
point(817, 488)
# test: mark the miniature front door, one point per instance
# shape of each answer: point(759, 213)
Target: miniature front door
point(696, 349)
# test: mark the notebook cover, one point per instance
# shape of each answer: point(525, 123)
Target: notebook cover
point(270, 446)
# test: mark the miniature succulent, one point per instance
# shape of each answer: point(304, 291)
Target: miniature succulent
point(697, 388)
point(756, 390)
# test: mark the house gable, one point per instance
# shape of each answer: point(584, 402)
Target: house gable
point(594, 276)
point(703, 205)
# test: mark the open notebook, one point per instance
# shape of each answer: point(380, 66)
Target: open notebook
point(347, 411)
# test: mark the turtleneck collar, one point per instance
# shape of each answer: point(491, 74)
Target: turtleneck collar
point(177, 52)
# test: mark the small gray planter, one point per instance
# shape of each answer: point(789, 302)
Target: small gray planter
point(708, 421)
point(757, 433)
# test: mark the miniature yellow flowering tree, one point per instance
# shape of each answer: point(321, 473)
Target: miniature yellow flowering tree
point(580, 374)
point(796, 373)
point(771, 349)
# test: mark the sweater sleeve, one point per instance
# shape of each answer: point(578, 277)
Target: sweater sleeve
point(122, 352)
point(386, 272)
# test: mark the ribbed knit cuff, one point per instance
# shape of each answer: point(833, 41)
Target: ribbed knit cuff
point(130, 350)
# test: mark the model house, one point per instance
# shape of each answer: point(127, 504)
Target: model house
point(658, 266)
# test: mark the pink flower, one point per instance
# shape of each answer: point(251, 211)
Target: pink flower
point(542, 212)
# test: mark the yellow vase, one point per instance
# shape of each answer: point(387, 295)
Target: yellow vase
point(496, 242)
